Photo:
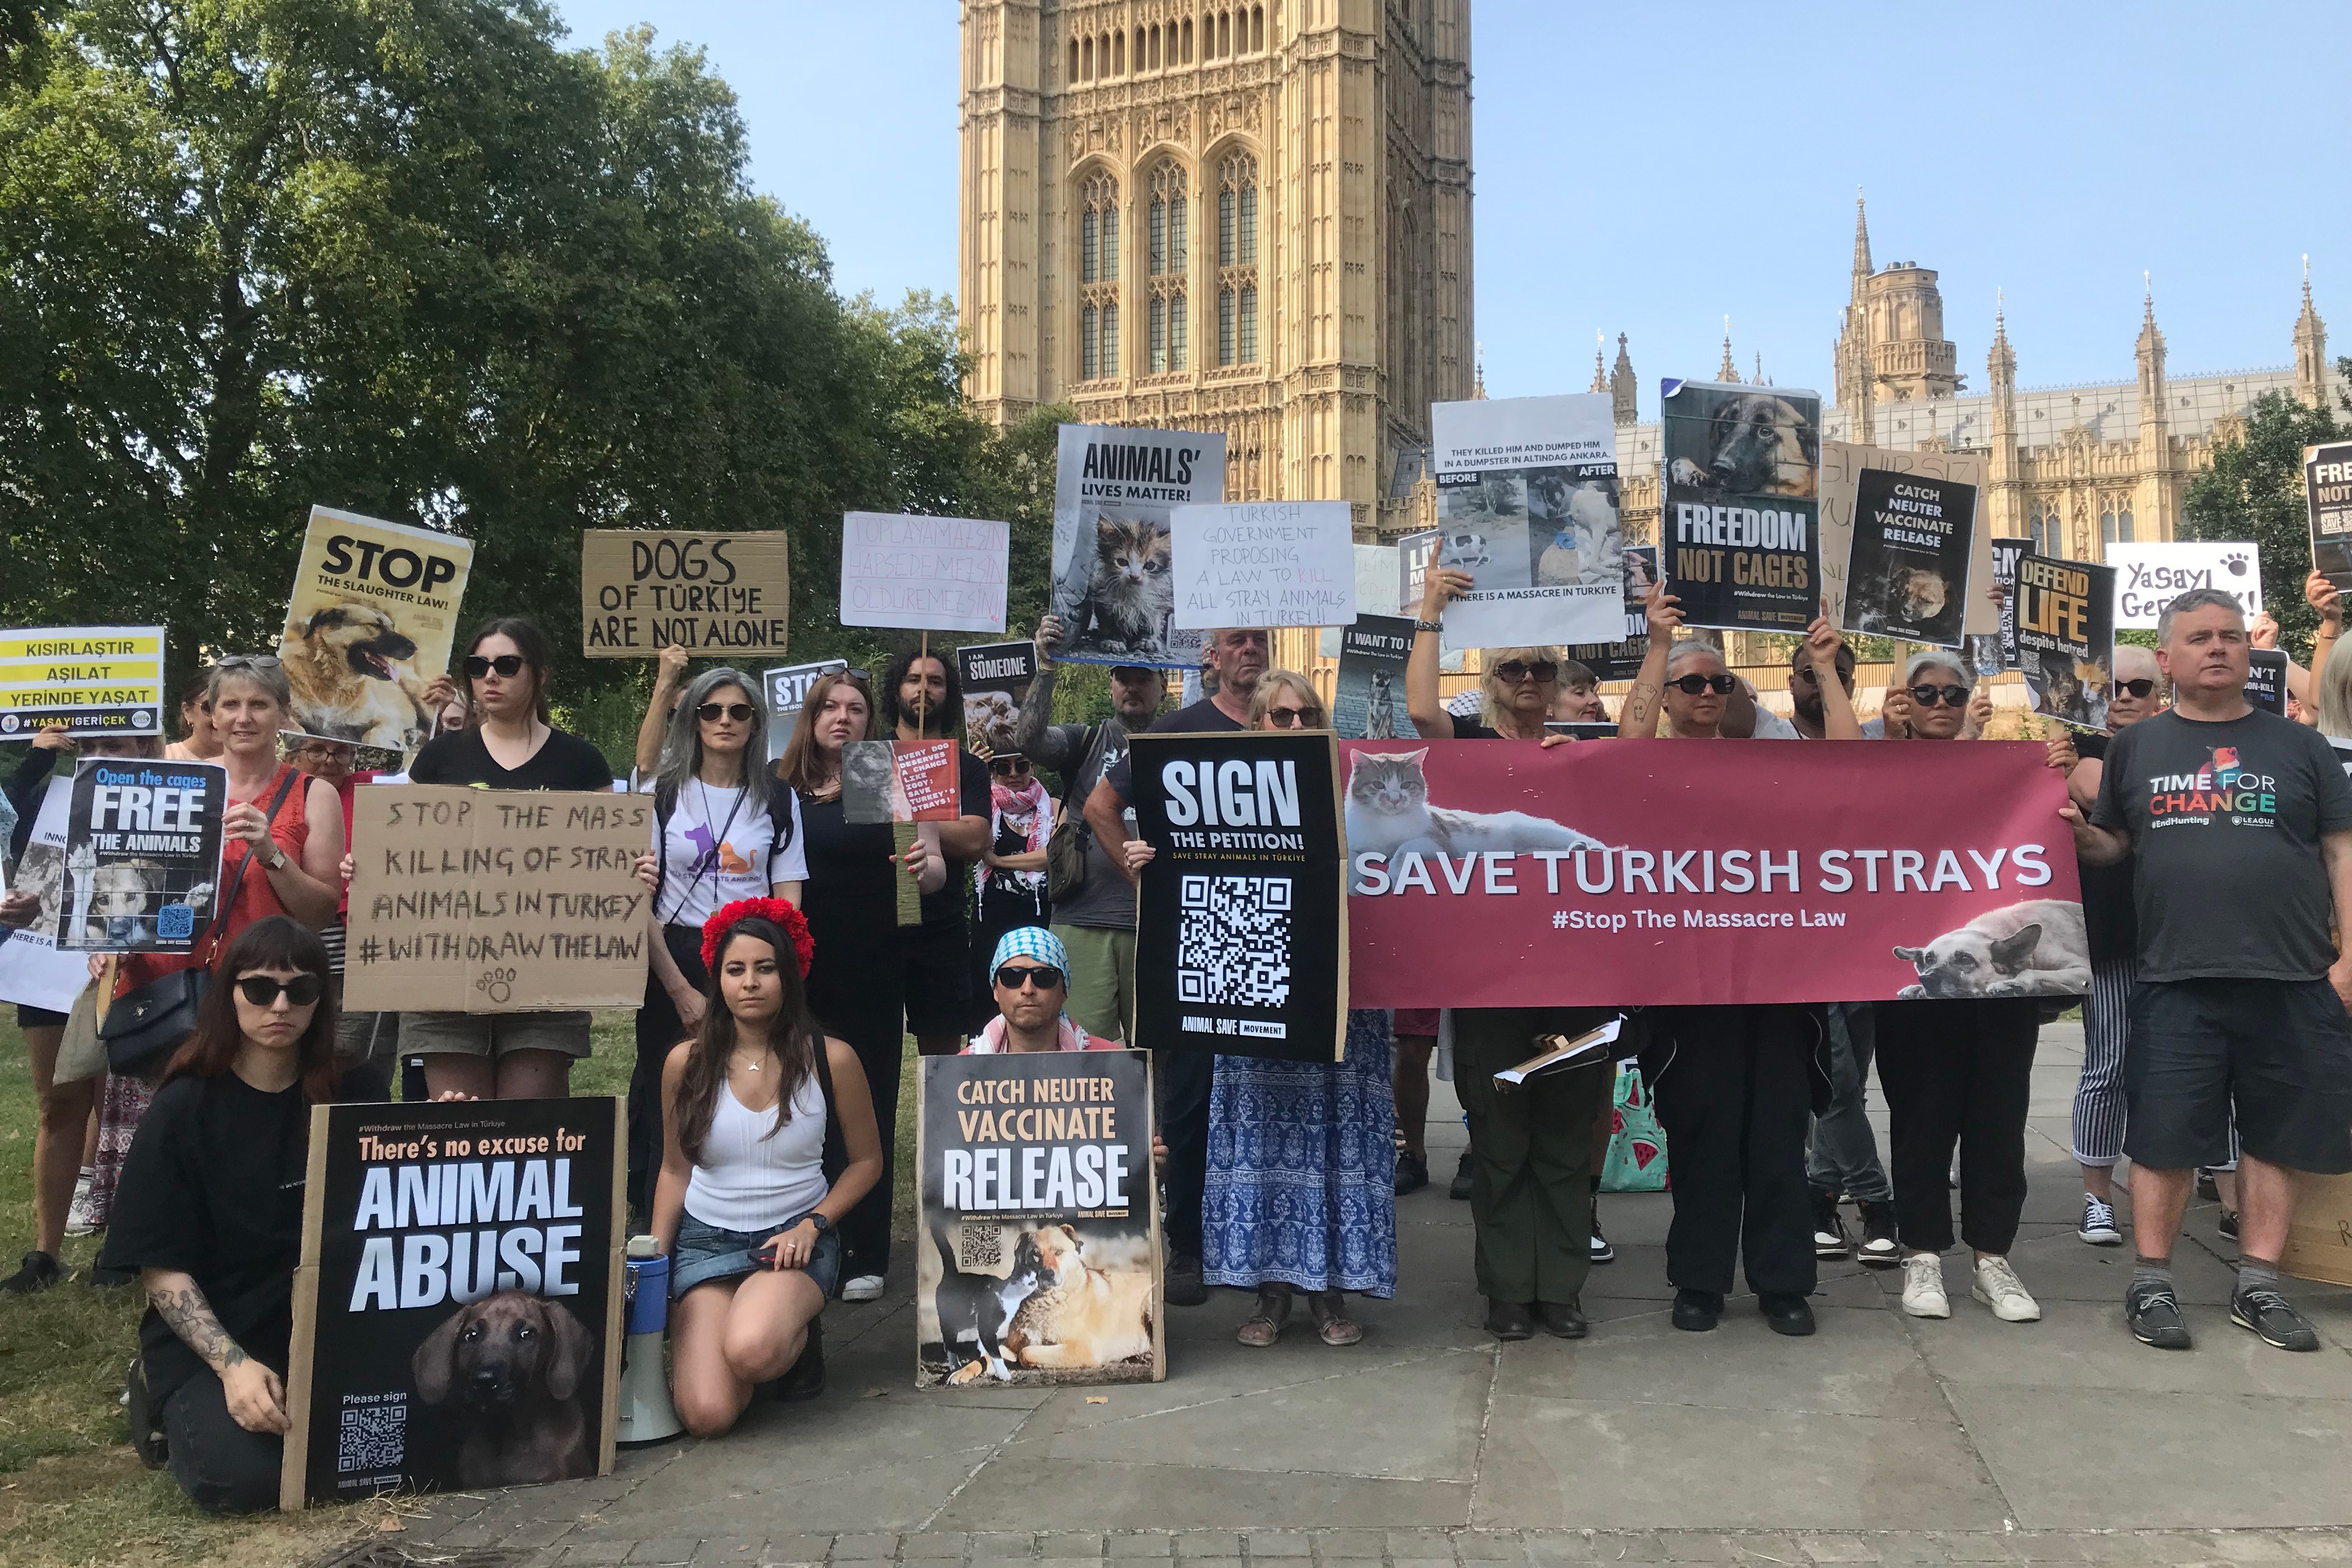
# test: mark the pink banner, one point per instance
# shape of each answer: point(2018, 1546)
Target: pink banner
point(1494, 873)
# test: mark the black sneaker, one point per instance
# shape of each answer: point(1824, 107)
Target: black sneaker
point(1697, 1311)
point(2269, 1314)
point(1602, 1251)
point(38, 1272)
point(1880, 1248)
point(2153, 1312)
point(805, 1378)
point(1830, 1238)
point(2228, 1225)
point(1411, 1172)
point(146, 1421)
point(1183, 1287)
point(1459, 1187)
point(2208, 1188)
point(1787, 1313)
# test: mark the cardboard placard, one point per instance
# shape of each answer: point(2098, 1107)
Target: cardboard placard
point(95, 680)
point(714, 595)
point(142, 855)
point(371, 621)
point(2067, 638)
point(923, 573)
point(1241, 919)
point(33, 970)
point(785, 691)
point(1368, 696)
point(2319, 1238)
point(2150, 576)
point(1114, 489)
point(1842, 466)
point(458, 1305)
point(1263, 563)
point(1034, 1168)
point(1902, 555)
point(996, 678)
point(496, 900)
point(2327, 493)
point(1740, 504)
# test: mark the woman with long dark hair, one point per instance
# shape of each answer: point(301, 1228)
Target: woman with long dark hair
point(771, 1142)
point(210, 1216)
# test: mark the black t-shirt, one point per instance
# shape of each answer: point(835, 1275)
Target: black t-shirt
point(947, 906)
point(213, 1187)
point(2225, 820)
point(1471, 730)
point(562, 762)
point(1198, 719)
point(2107, 890)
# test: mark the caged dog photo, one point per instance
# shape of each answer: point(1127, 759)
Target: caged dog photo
point(1756, 444)
point(349, 667)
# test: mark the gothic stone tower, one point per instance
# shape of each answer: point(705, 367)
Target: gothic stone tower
point(1252, 217)
point(1892, 348)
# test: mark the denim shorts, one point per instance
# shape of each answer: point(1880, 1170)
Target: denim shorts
point(704, 1253)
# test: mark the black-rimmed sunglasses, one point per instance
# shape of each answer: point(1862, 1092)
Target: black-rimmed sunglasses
point(1950, 696)
point(1511, 671)
point(711, 712)
point(1044, 976)
point(1005, 767)
point(1291, 718)
point(508, 664)
point(262, 989)
point(2135, 688)
point(1692, 685)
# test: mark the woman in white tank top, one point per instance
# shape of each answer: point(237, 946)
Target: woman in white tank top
point(752, 1116)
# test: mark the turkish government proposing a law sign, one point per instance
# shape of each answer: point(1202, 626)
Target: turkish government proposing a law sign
point(923, 573)
point(479, 902)
point(1263, 563)
point(1622, 873)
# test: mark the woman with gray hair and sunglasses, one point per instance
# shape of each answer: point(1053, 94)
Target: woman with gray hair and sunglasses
point(724, 829)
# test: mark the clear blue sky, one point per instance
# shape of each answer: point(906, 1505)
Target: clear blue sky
point(1649, 169)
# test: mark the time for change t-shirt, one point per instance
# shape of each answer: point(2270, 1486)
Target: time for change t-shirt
point(2225, 821)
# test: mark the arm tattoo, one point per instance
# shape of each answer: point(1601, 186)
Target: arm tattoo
point(190, 1316)
point(1030, 731)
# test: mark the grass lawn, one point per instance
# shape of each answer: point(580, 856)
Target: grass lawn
point(71, 1493)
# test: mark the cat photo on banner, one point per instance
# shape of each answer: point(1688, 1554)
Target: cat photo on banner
point(1390, 814)
point(1114, 583)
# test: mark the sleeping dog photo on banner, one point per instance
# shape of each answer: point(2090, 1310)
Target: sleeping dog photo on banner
point(1039, 1261)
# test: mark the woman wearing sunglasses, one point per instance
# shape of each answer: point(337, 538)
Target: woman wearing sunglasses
point(1009, 881)
point(509, 745)
point(1301, 1190)
point(724, 829)
point(210, 1216)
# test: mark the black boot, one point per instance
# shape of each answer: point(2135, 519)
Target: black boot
point(1698, 1311)
point(1509, 1320)
point(1786, 1313)
point(805, 1379)
point(36, 1273)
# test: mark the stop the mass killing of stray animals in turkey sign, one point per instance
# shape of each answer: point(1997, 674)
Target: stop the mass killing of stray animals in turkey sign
point(1263, 563)
point(923, 573)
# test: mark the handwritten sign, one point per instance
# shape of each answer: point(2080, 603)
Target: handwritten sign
point(714, 595)
point(92, 679)
point(494, 901)
point(923, 573)
point(2150, 576)
point(1263, 563)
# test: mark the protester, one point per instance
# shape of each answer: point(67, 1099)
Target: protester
point(198, 742)
point(2332, 702)
point(772, 1141)
point(1530, 1154)
point(1094, 917)
point(210, 1214)
point(724, 829)
point(1733, 1085)
point(2243, 1013)
point(1029, 971)
point(661, 712)
point(1183, 1078)
point(2099, 1099)
point(857, 985)
point(1009, 883)
point(1300, 1193)
point(510, 744)
point(922, 698)
point(1578, 702)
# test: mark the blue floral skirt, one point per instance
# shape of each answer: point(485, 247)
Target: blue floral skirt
point(1302, 1169)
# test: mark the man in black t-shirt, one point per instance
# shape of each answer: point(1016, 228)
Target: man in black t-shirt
point(1184, 1076)
point(922, 696)
point(2239, 827)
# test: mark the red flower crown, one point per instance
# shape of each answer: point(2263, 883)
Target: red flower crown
point(779, 911)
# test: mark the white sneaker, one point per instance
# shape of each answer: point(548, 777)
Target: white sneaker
point(1998, 1287)
point(2098, 1226)
point(1923, 1286)
point(80, 1219)
point(865, 1288)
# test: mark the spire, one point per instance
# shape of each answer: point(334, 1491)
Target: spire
point(2151, 340)
point(2310, 350)
point(1621, 383)
point(2148, 303)
point(2000, 363)
point(1759, 377)
point(1729, 371)
point(1478, 389)
point(2150, 354)
point(1600, 381)
point(1862, 267)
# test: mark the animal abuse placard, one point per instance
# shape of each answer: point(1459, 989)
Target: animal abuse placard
point(457, 1307)
point(1039, 1261)
point(372, 617)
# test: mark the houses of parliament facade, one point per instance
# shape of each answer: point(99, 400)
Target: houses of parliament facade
point(1255, 218)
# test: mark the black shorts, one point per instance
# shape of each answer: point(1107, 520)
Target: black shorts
point(934, 972)
point(2280, 1049)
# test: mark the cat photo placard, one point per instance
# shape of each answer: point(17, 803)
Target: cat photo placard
point(1263, 563)
point(1240, 920)
point(1114, 567)
point(1368, 699)
point(1526, 504)
point(1740, 504)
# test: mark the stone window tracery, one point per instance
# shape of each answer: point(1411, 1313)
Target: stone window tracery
point(1237, 259)
point(1098, 276)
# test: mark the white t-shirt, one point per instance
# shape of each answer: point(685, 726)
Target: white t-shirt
point(1771, 726)
point(718, 849)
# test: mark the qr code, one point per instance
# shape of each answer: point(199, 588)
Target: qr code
point(176, 923)
point(1233, 941)
point(372, 1437)
point(979, 1243)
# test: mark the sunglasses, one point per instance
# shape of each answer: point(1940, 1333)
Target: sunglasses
point(1692, 685)
point(2136, 688)
point(1044, 976)
point(263, 989)
point(1950, 696)
point(1291, 718)
point(711, 712)
point(247, 661)
point(1511, 671)
point(1005, 767)
point(507, 664)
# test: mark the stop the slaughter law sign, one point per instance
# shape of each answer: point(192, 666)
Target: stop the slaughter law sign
point(1622, 873)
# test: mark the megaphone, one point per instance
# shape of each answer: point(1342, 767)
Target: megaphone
point(647, 1415)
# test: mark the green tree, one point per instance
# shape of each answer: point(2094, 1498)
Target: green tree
point(2255, 491)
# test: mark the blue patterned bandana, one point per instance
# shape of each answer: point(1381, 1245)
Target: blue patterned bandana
point(1032, 942)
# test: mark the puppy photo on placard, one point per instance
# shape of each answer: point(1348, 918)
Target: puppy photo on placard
point(512, 1371)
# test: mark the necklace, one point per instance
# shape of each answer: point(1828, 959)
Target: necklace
point(735, 1061)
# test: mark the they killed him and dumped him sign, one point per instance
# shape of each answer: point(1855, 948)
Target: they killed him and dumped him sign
point(492, 901)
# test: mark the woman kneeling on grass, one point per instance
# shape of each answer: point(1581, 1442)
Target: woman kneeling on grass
point(771, 1141)
point(210, 1213)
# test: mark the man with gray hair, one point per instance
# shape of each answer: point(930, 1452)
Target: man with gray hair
point(2238, 825)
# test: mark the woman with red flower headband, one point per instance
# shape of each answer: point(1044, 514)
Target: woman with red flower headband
point(771, 1142)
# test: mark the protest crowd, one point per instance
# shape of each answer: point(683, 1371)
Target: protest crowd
point(794, 942)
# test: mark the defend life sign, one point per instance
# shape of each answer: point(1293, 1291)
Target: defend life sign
point(923, 573)
point(714, 595)
point(1622, 873)
point(95, 680)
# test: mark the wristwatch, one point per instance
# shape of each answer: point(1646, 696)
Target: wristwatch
point(275, 859)
point(823, 1225)
point(1421, 625)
